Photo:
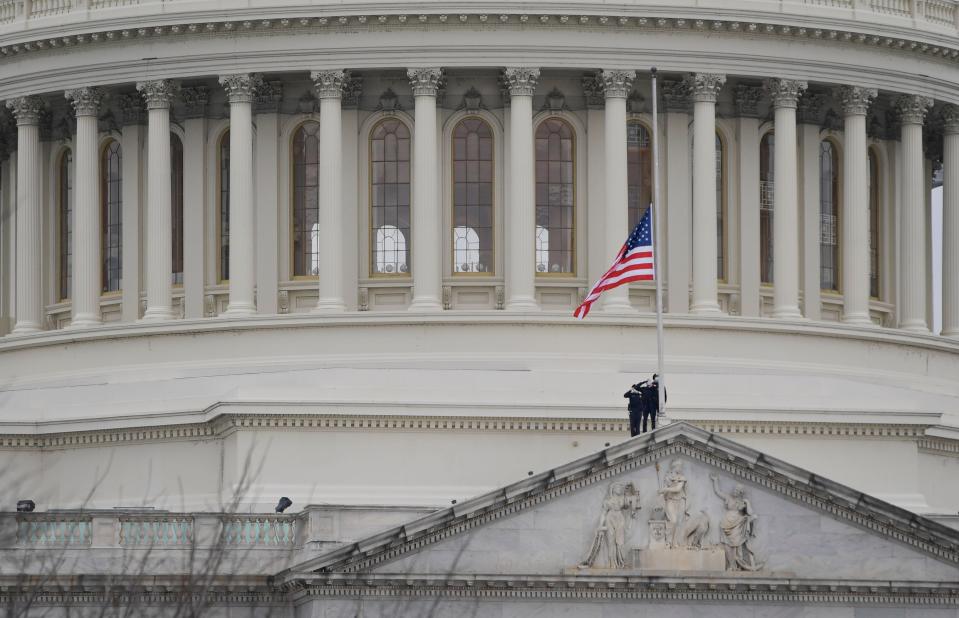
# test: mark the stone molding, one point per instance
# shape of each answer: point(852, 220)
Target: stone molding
point(85, 101)
point(705, 87)
point(26, 110)
point(785, 92)
point(240, 87)
point(855, 101)
point(747, 100)
point(158, 94)
point(617, 84)
point(425, 82)
point(734, 459)
point(913, 108)
point(329, 84)
point(521, 81)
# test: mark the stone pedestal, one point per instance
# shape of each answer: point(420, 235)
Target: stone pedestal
point(680, 559)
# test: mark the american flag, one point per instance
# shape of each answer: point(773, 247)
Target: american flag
point(634, 262)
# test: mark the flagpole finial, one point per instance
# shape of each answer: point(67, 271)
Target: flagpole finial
point(653, 70)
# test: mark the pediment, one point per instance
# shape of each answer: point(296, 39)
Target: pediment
point(679, 502)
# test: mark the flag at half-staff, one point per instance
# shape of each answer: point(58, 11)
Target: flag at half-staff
point(634, 262)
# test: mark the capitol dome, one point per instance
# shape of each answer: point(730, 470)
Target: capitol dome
point(331, 251)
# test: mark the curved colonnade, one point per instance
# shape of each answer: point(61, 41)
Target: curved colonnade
point(398, 206)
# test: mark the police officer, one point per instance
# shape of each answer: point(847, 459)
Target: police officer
point(650, 399)
point(636, 406)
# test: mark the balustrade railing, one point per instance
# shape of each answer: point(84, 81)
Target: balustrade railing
point(54, 529)
point(938, 13)
point(275, 530)
point(156, 530)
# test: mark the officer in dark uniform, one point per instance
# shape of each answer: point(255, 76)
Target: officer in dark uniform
point(636, 406)
point(650, 399)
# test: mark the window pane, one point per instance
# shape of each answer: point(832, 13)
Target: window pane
point(874, 180)
point(224, 190)
point(111, 202)
point(555, 188)
point(305, 207)
point(767, 149)
point(472, 198)
point(65, 216)
point(828, 217)
point(390, 198)
point(720, 211)
point(176, 196)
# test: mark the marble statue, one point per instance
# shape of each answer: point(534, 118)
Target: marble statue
point(619, 508)
point(737, 528)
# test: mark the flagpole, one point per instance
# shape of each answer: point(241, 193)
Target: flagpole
point(657, 231)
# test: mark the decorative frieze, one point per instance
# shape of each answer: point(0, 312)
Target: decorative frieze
point(389, 102)
point(425, 82)
point(810, 108)
point(855, 101)
point(521, 81)
point(133, 108)
point(913, 108)
point(593, 91)
point(26, 109)
point(240, 87)
point(785, 92)
point(329, 84)
point(86, 101)
point(472, 101)
point(705, 87)
point(747, 100)
point(352, 90)
point(616, 83)
point(195, 100)
point(158, 94)
point(267, 98)
point(675, 95)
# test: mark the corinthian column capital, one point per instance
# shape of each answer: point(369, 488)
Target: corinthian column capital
point(913, 108)
point(705, 87)
point(855, 100)
point(26, 109)
point(785, 92)
point(950, 117)
point(617, 84)
point(240, 87)
point(158, 93)
point(329, 84)
point(425, 82)
point(521, 81)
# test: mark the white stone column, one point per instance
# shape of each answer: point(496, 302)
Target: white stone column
point(912, 271)
point(159, 237)
point(87, 284)
point(8, 222)
point(195, 101)
point(616, 86)
point(677, 189)
point(747, 135)
point(240, 88)
point(855, 205)
point(704, 88)
point(329, 89)
point(785, 96)
point(29, 318)
point(521, 196)
point(950, 224)
point(426, 218)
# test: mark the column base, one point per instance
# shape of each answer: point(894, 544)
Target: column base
point(952, 333)
point(426, 305)
point(522, 303)
point(705, 308)
point(915, 326)
point(157, 314)
point(26, 328)
point(618, 306)
point(239, 310)
point(82, 320)
point(787, 313)
point(329, 305)
point(857, 319)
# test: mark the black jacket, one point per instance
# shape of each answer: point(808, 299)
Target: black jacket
point(635, 397)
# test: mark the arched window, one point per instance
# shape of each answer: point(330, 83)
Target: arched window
point(767, 185)
point(472, 197)
point(391, 250)
point(873, 179)
point(542, 249)
point(720, 208)
point(65, 224)
point(305, 157)
point(223, 214)
point(390, 197)
point(111, 216)
point(639, 172)
point(176, 196)
point(828, 216)
point(555, 188)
